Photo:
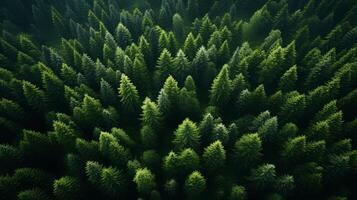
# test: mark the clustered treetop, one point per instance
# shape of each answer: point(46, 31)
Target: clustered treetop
point(178, 99)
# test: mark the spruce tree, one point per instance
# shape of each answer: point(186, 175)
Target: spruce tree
point(128, 94)
point(145, 180)
point(248, 150)
point(221, 88)
point(214, 156)
point(195, 185)
point(187, 135)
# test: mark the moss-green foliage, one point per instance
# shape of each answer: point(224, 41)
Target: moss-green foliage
point(178, 99)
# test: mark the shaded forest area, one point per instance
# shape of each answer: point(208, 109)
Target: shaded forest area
point(178, 99)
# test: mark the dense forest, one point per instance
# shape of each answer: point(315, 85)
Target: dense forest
point(178, 99)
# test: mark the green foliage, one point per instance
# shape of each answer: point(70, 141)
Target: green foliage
point(145, 180)
point(214, 156)
point(195, 184)
point(129, 96)
point(221, 88)
point(131, 99)
point(187, 135)
point(238, 193)
point(67, 188)
point(248, 150)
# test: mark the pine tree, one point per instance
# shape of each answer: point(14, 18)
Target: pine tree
point(189, 46)
point(171, 163)
point(68, 75)
point(54, 90)
point(34, 96)
point(263, 177)
point(151, 115)
point(148, 137)
point(164, 41)
point(168, 98)
point(145, 180)
point(224, 53)
point(112, 150)
point(288, 80)
point(164, 66)
point(93, 172)
point(195, 185)
point(145, 48)
point(89, 113)
point(238, 193)
point(123, 35)
point(182, 67)
point(129, 96)
point(178, 26)
point(112, 181)
point(188, 161)
point(35, 193)
point(67, 188)
point(187, 135)
point(214, 156)
point(221, 88)
point(248, 150)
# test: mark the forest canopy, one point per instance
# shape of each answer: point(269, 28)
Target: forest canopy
point(178, 99)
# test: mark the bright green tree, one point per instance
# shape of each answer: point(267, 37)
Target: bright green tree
point(144, 180)
point(221, 88)
point(187, 135)
point(214, 156)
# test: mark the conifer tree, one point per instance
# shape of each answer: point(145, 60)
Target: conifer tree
point(248, 150)
point(182, 67)
point(151, 114)
point(145, 180)
point(164, 66)
point(195, 185)
point(288, 80)
point(188, 161)
point(221, 88)
point(263, 177)
point(178, 26)
point(214, 156)
point(34, 96)
point(187, 135)
point(171, 163)
point(129, 96)
point(238, 193)
point(67, 188)
point(190, 46)
point(54, 90)
point(112, 181)
point(123, 35)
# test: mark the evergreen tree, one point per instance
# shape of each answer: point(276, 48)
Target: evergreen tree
point(263, 177)
point(188, 161)
point(187, 135)
point(34, 96)
point(221, 88)
point(238, 193)
point(151, 114)
point(54, 90)
point(195, 185)
point(123, 35)
point(67, 188)
point(145, 180)
point(190, 46)
point(288, 80)
point(214, 156)
point(129, 96)
point(182, 67)
point(164, 66)
point(248, 150)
